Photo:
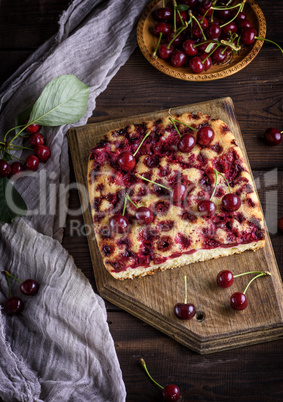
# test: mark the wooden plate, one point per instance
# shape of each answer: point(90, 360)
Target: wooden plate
point(216, 325)
point(236, 62)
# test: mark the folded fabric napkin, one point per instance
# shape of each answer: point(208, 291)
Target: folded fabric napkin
point(60, 347)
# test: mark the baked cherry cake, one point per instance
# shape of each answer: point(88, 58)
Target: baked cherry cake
point(170, 192)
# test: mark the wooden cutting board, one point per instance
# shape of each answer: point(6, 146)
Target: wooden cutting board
point(216, 325)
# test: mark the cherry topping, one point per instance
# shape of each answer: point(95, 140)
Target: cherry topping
point(5, 168)
point(16, 168)
point(126, 161)
point(178, 192)
point(225, 279)
point(186, 143)
point(13, 305)
point(31, 163)
point(29, 287)
point(231, 202)
point(164, 52)
point(273, 136)
point(205, 135)
point(36, 139)
point(248, 36)
point(206, 208)
point(178, 58)
point(32, 128)
point(239, 301)
point(196, 65)
point(119, 223)
point(171, 393)
point(144, 215)
point(42, 152)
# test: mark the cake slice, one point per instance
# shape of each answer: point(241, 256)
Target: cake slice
point(178, 188)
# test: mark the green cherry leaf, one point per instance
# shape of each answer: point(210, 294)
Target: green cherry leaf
point(209, 47)
point(21, 119)
point(182, 7)
point(11, 202)
point(6, 157)
point(63, 101)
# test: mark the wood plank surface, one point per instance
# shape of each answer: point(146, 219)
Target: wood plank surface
point(252, 373)
point(215, 327)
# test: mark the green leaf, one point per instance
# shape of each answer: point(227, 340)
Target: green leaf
point(6, 156)
point(182, 7)
point(11, 202)
point(63, 101)
point(209, 47)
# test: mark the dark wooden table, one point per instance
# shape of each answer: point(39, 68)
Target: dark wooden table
point(253, 373)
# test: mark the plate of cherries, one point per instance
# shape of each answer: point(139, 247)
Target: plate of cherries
point(201, 40)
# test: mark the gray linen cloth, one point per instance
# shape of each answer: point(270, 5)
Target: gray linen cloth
point(60, 347)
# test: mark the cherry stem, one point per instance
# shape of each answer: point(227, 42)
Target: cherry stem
point(22, 125)
point(257, 276)
point(11, 276)
point(186, 289)
point(163, 3)
point(158, 43)
point(174, 124)
point(216, 180)
point(146, 370)
point(231, 45)
point(124, 207)
point(135, 205)
point(209, 54)
point(144, 138)
point(8, 282)
point(206, 41)
point(150, 181)
point(175, 21)
point(13, 156)
point(271, 41)
point(177, 33)
point(19, 147)
point(250, 272)
point(241, 6)
point(194, 18)
point(180, 122)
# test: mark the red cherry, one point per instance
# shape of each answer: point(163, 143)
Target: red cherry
point(225, 279)
point(196, 32)
point(203, 22)
point(213, 31)
point(13, 305)
point(178, 192)
point(238, 301)
point(5, 168)
point(177, 41)
point(119, 223)
point(186, 143)
point(219, 55)
point(188, 47)
point(184, 17)
point(161, 27)
point(245, 24)
point(196, 65)
point(144, 215)
point(206, 208)
point(36, 139)
point(29, 287)
point(223, 14)
point(241, 16)
point(31, 163)
point(231, 27)
point(208, 63)
point(248, 36)
point(204, 6)
point(205, 135)
point(190, 3)
point(42, 152)
point(126, 161)
point(16, 168)
point(273, 136)
point(32, 128)
point(163, 14)
point(164, 52)
point(231, 202)
point(184, 311)
point(171, 393)
point(178, 58)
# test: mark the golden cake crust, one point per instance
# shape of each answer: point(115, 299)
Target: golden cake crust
point(178, 234)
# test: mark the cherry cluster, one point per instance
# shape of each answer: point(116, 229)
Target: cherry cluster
point(238, 300)
point(41, 153)
point(14, 305)
point(199, 34)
